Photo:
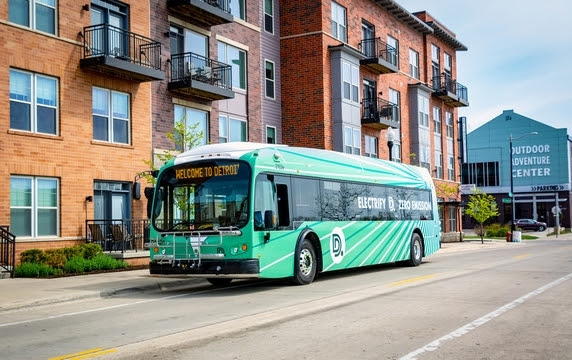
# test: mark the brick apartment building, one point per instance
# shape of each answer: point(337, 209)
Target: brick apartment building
point(93, 88)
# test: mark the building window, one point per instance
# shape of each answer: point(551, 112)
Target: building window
point(269, 16)
point(270, 76)
point(414, 64)
point(449, 124)
point(352, 140)
point(196, 125)
point(237, 9)
point(231, 129)
point(438, 165)
point(437, 120)
point(339, 27)
point(395, 99)
point(33, 102)
point(435, 72)
point(237, 59)
point(270, 135)
point(447, 66)
point(393, 50)
point(423, 105)
point(425, 157)
point(480, 174)
point(35, 14)
point(34, 206)
point(371, 146)
point(396, 152)
point(110, 116)
point(452, 218)
point(451, 168)
point(350, 74)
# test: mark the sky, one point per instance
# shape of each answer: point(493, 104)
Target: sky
point(519, 56)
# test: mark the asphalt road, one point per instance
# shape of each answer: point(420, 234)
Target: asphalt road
point(509, 301)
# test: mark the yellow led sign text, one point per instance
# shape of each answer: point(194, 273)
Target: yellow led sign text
point(206, 171)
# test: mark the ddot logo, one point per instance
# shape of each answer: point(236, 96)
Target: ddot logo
point(337, 245)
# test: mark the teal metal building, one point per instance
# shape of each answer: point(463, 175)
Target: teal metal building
point(541, 168)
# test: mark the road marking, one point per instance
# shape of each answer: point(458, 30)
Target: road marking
point(521, 256)
point(408, 281)
point(86, 354)
point(434, 345)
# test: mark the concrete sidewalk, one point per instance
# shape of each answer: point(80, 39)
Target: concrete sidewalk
point(27, 293)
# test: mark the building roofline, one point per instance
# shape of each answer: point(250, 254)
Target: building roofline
point(405, 16)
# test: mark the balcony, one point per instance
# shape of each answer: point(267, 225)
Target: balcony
point(450, 91)
point(196, 75)
point(118, 235)
point(379, 114)
point(111, 50)
point(381, 58)
point(204, 12)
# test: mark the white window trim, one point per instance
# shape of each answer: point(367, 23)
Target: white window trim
point(270, 15)
point(273, 80)
point(110, 117)
point(270, 127)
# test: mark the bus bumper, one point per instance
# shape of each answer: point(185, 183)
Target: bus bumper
point(206, 267)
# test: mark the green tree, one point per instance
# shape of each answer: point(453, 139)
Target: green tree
point(481, 207)
point(183, 138)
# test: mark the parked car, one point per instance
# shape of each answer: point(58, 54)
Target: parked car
point(530, 224)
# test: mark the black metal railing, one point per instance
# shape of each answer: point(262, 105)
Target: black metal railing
point(118, 234)
point(7, 250)
point(379, 109)
point(108, 40)
point(196, 67)
point(376, 48)
point(221, 4)
point(446, 83)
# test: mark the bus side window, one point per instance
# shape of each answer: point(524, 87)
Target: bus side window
point(265, 209)
point(283, 206)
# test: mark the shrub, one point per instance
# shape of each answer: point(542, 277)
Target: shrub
point(35, 256)
point(90, 251)
point(106, 262)
point(497, 230)
point(55, 258)
point(28, 269)
point(76, 265)
point(72, 251)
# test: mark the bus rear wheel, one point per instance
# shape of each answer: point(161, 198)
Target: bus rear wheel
point(416, 250)
point(219, 282)
point(305, 264)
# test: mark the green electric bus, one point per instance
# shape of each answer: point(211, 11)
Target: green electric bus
point(249, 210)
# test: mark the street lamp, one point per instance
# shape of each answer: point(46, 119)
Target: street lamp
point(390, 136)
point(510, 140)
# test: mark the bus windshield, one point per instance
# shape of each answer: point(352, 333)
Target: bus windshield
point(202, 196)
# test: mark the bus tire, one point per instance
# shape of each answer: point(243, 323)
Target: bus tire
point(305, 263)
point(416, 250)
point(219, 282)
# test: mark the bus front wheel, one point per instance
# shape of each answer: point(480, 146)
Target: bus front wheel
point(416, 250)
point(305, 265)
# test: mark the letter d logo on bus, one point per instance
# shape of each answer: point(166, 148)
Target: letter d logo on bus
point(337, 245)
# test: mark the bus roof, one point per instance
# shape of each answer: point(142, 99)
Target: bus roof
point(313, 163)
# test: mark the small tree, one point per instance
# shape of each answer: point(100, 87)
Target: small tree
point(183, 138)
point(481, 207)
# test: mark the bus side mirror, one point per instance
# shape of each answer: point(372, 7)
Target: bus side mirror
point(136, 190)
point(149, 195)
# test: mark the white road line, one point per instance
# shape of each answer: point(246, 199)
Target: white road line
point(434, 345)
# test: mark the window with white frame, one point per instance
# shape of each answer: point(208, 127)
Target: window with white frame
point(270, 135)
point(447, 65)
point(437, 120)
point(339, 27)
point(371, 146)
point(423, 105)
point(236, 58)
point(435, 66)
point(395, 98)
point(451, 168)
point(232, 129)
point(33, 102)
point(350, 77)
point(449, 124)
point(438, 165)
point(425, 157)
point(269, 16)
point(35, 14)
point(393, 50)
point(196, 125)
point(237, 9)
point(396, 152)
point(111, 116)
point(270, 79)
point(452, 218)
point(34, 206)
point(414, 64)
point(352, 140)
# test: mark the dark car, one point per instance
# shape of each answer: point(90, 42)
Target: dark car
point(530, 224)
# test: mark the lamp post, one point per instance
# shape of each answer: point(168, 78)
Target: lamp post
point(390, 136)
point(510, 140)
